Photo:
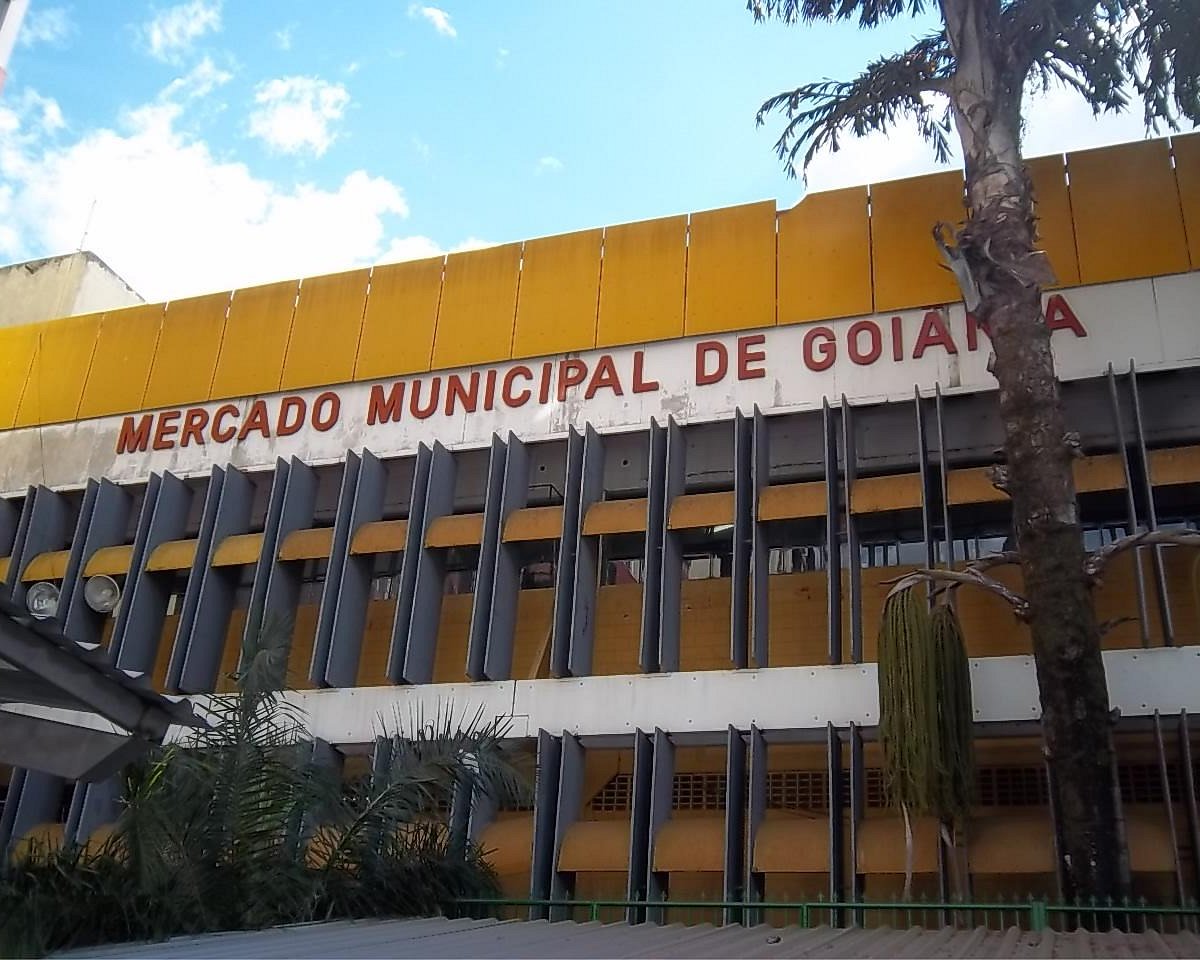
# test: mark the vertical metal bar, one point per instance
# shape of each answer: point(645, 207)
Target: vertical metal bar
point(944, 477)
point(1160, 576)
point(545, 812)
point(20, 531)
point(854, 560)
point(1139, 572)
point(927, 505)
point(333, 572)
point(743, 541)
point(858, 808)
point(833, 772)
point(37, 801)
point(70, 582)
point(661, 789)
point(8, 813)
point(1189, 793)
point(733, 862)
point(568, 546)
point(587, 559)
point(656, 492)
point(47, 529)
point(756, 813)
point(108, 521)
point(570, 805)
point(833, 541)
point(1169, 803)
point(672, 552)
point(256, 602)
point(10, 518)
point(760, 552)
point(430, 577)
point(99, 803)
point(506, 586)
point(639, 825)
point(489, 548)
point(414, 540)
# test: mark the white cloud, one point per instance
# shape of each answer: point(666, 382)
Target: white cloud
point(501, 58)
point(547, 165)
point(422, 148)
point(296, 114)
point(438, 18)
point(172, 218)
point(200, 81)
point(283, 37)
point(50, 25)
point(170, 33)
point(420, 247)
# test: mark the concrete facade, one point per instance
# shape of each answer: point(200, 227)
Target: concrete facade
point(62, 286)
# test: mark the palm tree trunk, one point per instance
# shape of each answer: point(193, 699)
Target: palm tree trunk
point(999, 242)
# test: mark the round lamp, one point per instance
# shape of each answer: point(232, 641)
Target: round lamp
point(102, 593)
point(42, 600)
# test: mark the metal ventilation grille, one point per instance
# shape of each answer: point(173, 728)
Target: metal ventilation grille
point(615, 796)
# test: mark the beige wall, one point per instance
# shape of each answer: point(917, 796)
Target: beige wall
point(75, 283)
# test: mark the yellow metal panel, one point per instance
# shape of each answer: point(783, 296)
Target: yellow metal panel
point(907, 267)
point(592, 845)
point(479, 302)
point(109, 560)
point(1186, 149)
point(877, 494)
point(1128, 222)
point(1056, 226)
point(401, 314)
point(379, 536)
point(1175, 466)
point(881, 846)
point(309, 544)
point(1018, 842)
point(701, 510)
point(507, 842)
point(238, 549)
point(972, 485)
point(5, 562)
point(456, 530)
point(533, 523)
point(556, 304)
point(1103, 472)
point(17, 348)
point(47, 566)
point(642, 282)
point(59, 370)
point(188, 345)
point(792, 845)
point(324, 342)
point(1148, 840)
point(255, 340)
point(788, 501)
point(172, 555)
point(120, 367)
point(690, 845)
point(615, 516)
point(825, 257)
point(731, 269)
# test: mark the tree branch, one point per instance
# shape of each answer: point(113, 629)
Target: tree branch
point(956, 578)
point(1098, 559)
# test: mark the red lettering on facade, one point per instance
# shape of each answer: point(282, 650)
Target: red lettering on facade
point(221, 433)
point(414, 398)
point(327, 408)
point(571, 373)
point(934, 332)
point(820, 349)
point(604, 378)
point(974, 328)
point(291, 416)
point(640, 383)
point(458, 392)
point(165, 430)
point(716, 350)
point(1060, 316)
point(521, 397)
point(874, 342)
point(746, 356)
point(897, 338)
point(256, 419)
point(384, 407)
point(544, 382)
point(194, 422)
point(489, 390)
point(134, 435)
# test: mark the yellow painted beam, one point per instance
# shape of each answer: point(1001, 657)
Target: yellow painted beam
point(172, 555)
point(325, 330)
point(880, 494)
point(1101, 472)
point(642, 282)
point(47, 566)
point(109, 560)
point(972, 485)
point(694, 510)
point(17, 348)
point(1056, 224)
point(120, 367)
point(188, 344)
point(792, 501)
point(5, 563)
point(455, 530)
point(238, 549)
point(557, 301)
point(400, 317)
point(731, 269)
point(380, 536)
point(907, 268)
point(1186, 150)
point(533, 523)
point(309, 544)
point(256, 337)
point(59, 370)
point(615, 516)
point(1174, 466)
point(479, 301)
point(825, 257)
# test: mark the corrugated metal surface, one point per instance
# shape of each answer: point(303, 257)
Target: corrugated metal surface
point(490, 938)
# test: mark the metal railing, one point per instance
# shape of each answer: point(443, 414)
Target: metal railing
point(1032, 913)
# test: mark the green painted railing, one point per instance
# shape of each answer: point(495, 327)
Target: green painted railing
point(1029, 914)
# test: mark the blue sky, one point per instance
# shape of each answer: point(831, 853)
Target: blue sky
point(204, 145)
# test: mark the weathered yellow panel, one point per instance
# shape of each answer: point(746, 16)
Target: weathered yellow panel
point(878, 494)
point(972, 485)
point(557, 300)
point(455, 530)
point(379, 536)
point(508, 842)
point(615, 516)
point(308, 544)
point(701, 510)
point(401, 315)
point(17, 348)
point(109, 560)
point(907, 267)
point(5, 563)
point(121, 363)
point(238, 549)
point(1056, 225)
point(1186, 149)
point(188, 345)
point(1102, 472)
point(691, 844)
point(256, 338)
point(825, 257)
point(59, 370)
point(533, 523)
point(792, 845)
point(787, 501)
point(1175, 466)
point(47, 566)
point(479, 302)
point(595, 845)
point(731, 269)
point(642, 282)
point(324, 342)
point(1128, 221)
point(172, 555)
